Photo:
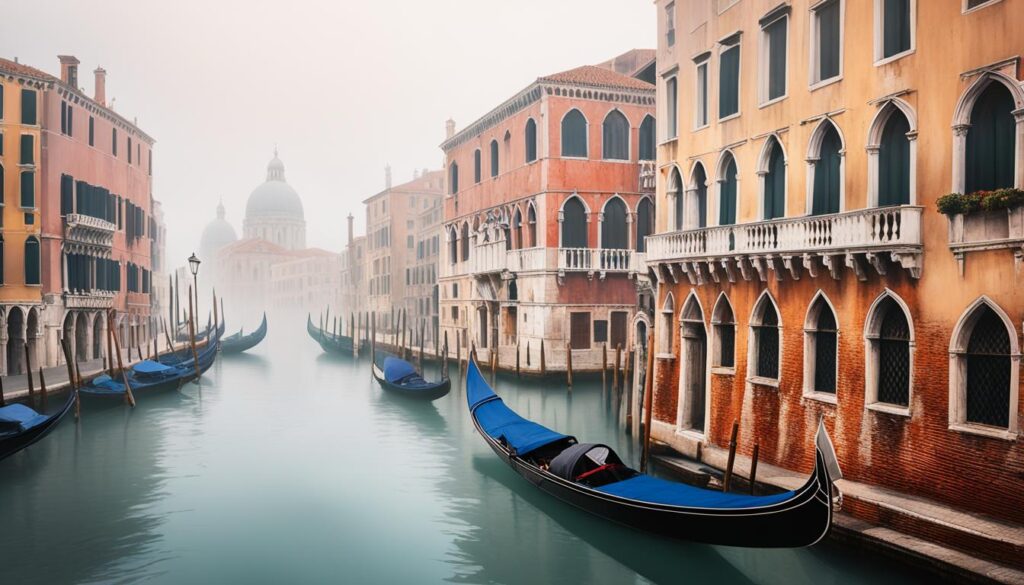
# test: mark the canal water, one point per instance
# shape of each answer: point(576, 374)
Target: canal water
point(288, 466)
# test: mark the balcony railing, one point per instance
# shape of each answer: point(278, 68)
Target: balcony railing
point(527, 259)
point(79, 219)
point(596, 259)
point(493, 257)
point(648, 176)
point(896, 230)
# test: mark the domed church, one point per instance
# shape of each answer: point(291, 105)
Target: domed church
point(217, 234)
point(274, 211)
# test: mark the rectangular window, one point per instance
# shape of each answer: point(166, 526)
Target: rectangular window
point(600, 331)
point(67, 185)
point(113, 141)
point(71, 121)
point(700, 109)
point(827, 40)
point(672, 107)
point(618, 328)
point(28, 189)
point(773, 72)
point(63, 117)
point(896, 27)
point(579, 330)
point(30, 219)
point(28, 107)
point(670, 24)
point(92, 131)
point(729, 82)
point(28, 149)
point(129, 150)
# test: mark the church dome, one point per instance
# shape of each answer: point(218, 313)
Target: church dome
point(275, 197)
point(217, 234)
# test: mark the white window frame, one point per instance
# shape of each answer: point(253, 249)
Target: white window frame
point(715, 351)
point(879, 36)
point(752, 343)
point(739, 82)
point(810, 350)
point(670, 132)
point(698, 106)
point(872, 357)
point(965, 9)
point(764, 64)
point(670, 24)
point(814, 62)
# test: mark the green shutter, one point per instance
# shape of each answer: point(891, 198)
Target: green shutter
point(727, 203)
point(991, 141)
point(701, 179)
point(896, 27)
point(614, 230)
point(828, 40)
point(777, 58)
point(729, 82)
point(775, 184)
point(827, 175)
point(31, 260)
point(28, 107)
point(615, 136)
point(574, 224)
point(894, 162)
point(28, 149)
point(28, 189)
point(574, 134)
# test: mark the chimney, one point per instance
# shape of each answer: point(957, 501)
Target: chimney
point(69, 70)
point(101, 86)
point(350, 236)
point(387, 176)
point(449, 129)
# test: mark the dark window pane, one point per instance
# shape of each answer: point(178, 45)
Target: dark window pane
point(644, 223)
point(894, 356)
point(672, 106)
point(67, 188)
point(727, 345)
point(616, 136)
point(600, 331)
point(700, 180)
point(729, 82)
point(453, 178)
point(574, 134)
point(894, 162)
point(618, 333)
point(531, 140)
point(991, 141)
point(896, 27)
point(827, 174)
point(727, 205)
point(28, 107)
point(614, 230)
point(494, 158)
point(92, 131)
point(828, 40)
point(775, 184)
point(825, 346)
point(579, 332)
point(28, 189)
point(648, 142)
point(476, 166)
point(767, 334)
point(31, 261)
point(988, 372)
point(702, 94)
point(574, 224)
point(678, 203)
point(28, 149)
point(777, 58)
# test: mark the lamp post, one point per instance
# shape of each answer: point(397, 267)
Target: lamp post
point(193, 265)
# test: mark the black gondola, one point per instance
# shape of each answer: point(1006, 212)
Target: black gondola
point(238, 343)
point(149, 376)
point(330, 343)
point(21, 426)
point(592, 477)
point(399, 376)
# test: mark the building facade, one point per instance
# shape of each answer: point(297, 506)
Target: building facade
point(422, 294)
point(545, 218)
point(306, 283)
point(80, 240)
point(804, 269)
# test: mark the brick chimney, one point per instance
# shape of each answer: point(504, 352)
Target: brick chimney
point(350, 235)
point(101, 86)
point(449, 128)
point(69, 70)
point(387, 176)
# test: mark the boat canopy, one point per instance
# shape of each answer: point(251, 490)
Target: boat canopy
point(500, 422)
point(150, 367)
point(581, 458)
point(18, 417)
point(646, 488)
point(396, 370)
point(103, 385)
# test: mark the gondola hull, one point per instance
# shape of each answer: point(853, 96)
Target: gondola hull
point(800, 520)
point(11, 444)
point(342, 345)
point(434, 392)
point(239, 343)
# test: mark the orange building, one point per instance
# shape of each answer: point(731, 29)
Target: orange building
point(545, 217)
point(78, 242)
point(804, 267)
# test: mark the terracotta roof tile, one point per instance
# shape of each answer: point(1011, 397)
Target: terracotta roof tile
point(595, 76)
point(8, 66)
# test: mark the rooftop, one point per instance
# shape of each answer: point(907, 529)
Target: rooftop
point(594, 76)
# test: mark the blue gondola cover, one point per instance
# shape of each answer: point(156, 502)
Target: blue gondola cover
point(500, 422)
point(19, 417)
point(396, 370)
point(104, 385)
point(645, 488)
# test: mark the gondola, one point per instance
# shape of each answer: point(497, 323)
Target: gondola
point(150, 376)
point(330, 343)
point(593, 478)
point(185, 354)
point(399, 376)
point(21, 426)
point(238, 343)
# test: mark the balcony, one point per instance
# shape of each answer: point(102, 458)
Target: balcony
point(648, 179)
point(999, 229)
point(87, 234)
point(597, 261)
point(97, 299)
point(493, 260)
point(879, 237)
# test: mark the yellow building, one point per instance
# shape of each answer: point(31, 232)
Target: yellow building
point(805, 269)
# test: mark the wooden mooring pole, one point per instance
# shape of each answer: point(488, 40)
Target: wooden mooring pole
point(71, 379)
point(543, 363)
point(753, 467)
point(128, 396)
point(618, 364)
point(517, 359)
point(604, 364)
point(28, 372)
point(732, 456)
point(648, 403)
point(191, 335)
point(568, 365)
point(42, 388)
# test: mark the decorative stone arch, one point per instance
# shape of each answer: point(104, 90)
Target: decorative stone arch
point(820, 302)
point(962, 125)
point(629, 132)
point(692, 200)
point(15, 336)
point(83, 337)
point(771, 142)
point(99, 330)
point(814, 155)
point(561, 133)
point(601, 217)
point(872, 352)
point(958, 347)
point(760, 325)
point(723, 335)
point(693, 410)
point(886, 108)
point(561, 216)
point(531, 223)
point(663, 345)
point(516, 226)
point(724, 157)
point(675, 191)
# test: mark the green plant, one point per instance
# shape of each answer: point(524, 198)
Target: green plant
point(956, 203)
point(1002, 199)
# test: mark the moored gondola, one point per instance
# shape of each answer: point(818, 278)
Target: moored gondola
point(330, 343)
point(21, 426)
point(150, 376)
point(399, 376)
point(592, 477)
point(238, 342)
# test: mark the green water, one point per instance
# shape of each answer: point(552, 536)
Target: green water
point(288, 466)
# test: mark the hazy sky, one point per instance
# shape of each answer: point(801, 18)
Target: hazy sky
point(342, 88)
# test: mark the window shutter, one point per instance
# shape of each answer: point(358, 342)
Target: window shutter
point(31, 260)
point(67, 188)
point(28, 189)
point(579, 331)
point(574, 135)
point(894, 162)
point(777, 58)
point(727, 206)
point(991, 141)
point(494, 158)
point(614, 230)
point(28, 107)
point(28, 149)
point(615, 137)
point(531, 140)
point(728, 91)
point(826, 175)
point(618, 333)
point(672, 106)
point(574, 224)
point(644, 224)
point(896, 33)
point(828, 41)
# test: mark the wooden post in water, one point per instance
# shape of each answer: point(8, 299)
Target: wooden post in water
point(191, 335)
point(421, 346)
point(732, 456)
point(71, 379)
point(28, 372)
point(444, 358)
point(42, 388)
point(543, 362)
point(128, 396)
point(216, 323)
point(604, 364)
point(568, 365)
point(373, 339)
point(2, 401)
point(517, 359)
point(170, 344)
point(458, 353)
point(110, 346)
point(494, 365)
point(753, 467)
point(618, 364)
point(648, 402)
point(527, 354)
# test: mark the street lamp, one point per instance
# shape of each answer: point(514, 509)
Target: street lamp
point(193, 265)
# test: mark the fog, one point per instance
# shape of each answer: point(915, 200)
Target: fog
point(341, 88)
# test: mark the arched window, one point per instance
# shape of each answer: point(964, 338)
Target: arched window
point(723, 324)
point(821, 344)
point(32, 260)
point(517, 229)
point(530, 137)
point(453, 245)
point(991, 141)
point(774, 181)
point(574, 134)
point(827, 173)
point(894, 161)
point(644, 223)
point(574, 224)
point(700, 192)
point(692, 366)
point(616, 136)
point(476, 166)
point(727, 191)
point(614, 230)
point(465, 242)
point(531, 225)
point(453, 178)
point(648, 141)
point(675, 189)
point(664, 330)
point(888, 370)
point(494, 158)
point(984, 371)
point(764, 340)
